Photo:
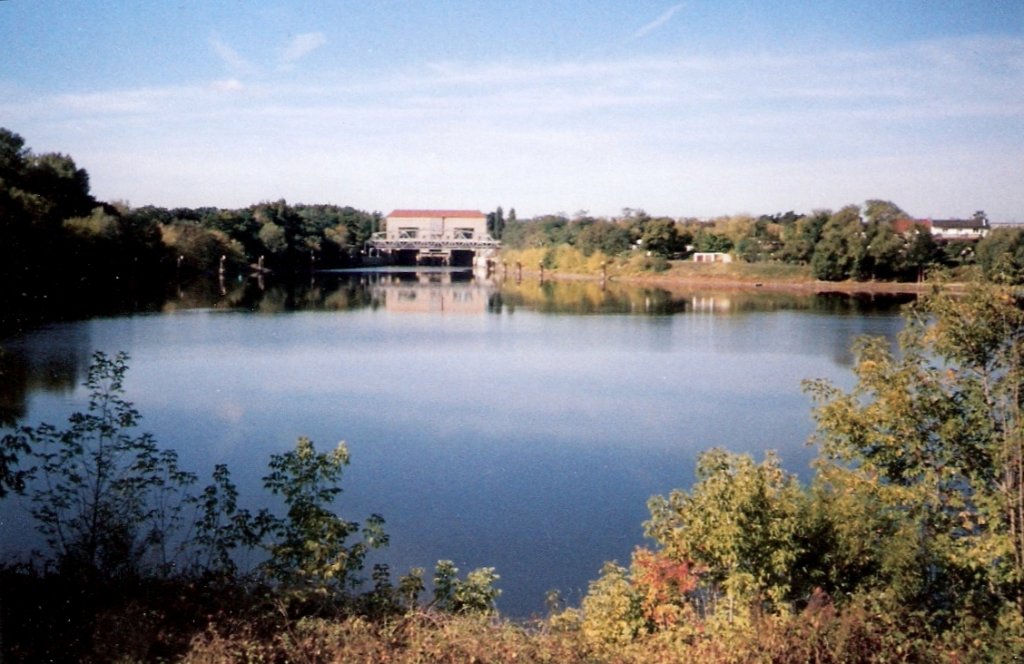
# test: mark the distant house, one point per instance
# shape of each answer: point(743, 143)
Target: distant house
point(711, 257)
point(960, 229)
point(946, 229)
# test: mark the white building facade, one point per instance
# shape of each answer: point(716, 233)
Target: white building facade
point(436, 236)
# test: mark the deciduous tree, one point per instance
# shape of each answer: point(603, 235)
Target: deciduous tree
point(933, 439)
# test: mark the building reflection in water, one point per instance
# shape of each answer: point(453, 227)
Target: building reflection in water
point(432, 292)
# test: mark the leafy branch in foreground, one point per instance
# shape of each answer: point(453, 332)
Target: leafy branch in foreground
point(13, 446)
point(310, 549)
point(107, 500)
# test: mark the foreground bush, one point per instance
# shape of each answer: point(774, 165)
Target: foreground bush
point(820, 633)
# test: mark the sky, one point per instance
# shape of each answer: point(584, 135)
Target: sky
point(700, 108)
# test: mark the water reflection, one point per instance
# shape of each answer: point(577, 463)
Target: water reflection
point(460, 291)
point(56, 361)
point(439, 292)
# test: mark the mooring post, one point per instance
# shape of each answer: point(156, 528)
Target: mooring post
point(541, 266)
point(519, 272)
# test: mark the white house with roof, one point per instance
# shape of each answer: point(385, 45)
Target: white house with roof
point(960, 229)
point(972, 229)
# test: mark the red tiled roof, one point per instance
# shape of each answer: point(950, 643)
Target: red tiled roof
point(906, 225)
point(465, 214)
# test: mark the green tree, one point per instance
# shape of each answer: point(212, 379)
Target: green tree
point(882, 212)
point(496, 223)
point(474, 594)
point(932, 439)
point(222, 528)
point(62, 186)
point(706, 240)
point(604, 236)
point(660, 236)
point(885, 251)
point(922, 252)
point(1000, 254)
point(200, 249)
point(272, 237)
point(839, 254)
point(310, 552)
point(800, 238)
point(13, 448)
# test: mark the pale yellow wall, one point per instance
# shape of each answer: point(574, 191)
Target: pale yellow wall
point(431, 226)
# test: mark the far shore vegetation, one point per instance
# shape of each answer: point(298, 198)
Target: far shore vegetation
point(906, 544)
point(61, 244)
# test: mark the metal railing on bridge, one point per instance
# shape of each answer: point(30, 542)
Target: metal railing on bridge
point(380, 241)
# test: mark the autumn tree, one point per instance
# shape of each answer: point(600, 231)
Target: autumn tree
point(739, 525)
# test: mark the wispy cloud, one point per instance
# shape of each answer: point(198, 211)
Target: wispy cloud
point(596, 134)
point(664, 18)
point(229, 56)
point(228, 85)
point(902, 81)
point(300, 46)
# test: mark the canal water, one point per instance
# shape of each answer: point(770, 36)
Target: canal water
point(521, 426)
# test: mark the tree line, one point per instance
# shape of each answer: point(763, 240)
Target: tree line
point(856, 242)
point(58, 238)
point(57, 235)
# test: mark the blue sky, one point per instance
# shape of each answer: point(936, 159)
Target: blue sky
point(683, 109)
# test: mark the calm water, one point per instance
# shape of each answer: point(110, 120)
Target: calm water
point(520, 426)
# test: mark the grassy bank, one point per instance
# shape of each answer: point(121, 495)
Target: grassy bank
point(567, 263)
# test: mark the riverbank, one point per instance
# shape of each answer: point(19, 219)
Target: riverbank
point(686, 276)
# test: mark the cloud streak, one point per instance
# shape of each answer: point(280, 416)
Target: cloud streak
point(300, 46)
point(664, 18)
point(229, 56)
point(672, 133)
point(902, 82)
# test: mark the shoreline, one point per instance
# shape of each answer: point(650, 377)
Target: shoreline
point(679, 282)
